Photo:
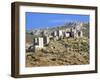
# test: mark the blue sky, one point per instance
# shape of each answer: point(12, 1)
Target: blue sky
point(45, 20)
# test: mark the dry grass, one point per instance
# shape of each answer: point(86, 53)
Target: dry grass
point(61, 52)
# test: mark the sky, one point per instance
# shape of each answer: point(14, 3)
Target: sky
point(46, 20)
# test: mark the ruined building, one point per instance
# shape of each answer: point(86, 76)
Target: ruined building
point(76, 31)
point(40, 42)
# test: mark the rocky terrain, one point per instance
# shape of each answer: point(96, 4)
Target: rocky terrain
point(38, 32)
point(67, 51)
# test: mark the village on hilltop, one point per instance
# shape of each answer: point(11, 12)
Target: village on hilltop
point(40, 41)
point(62, 45)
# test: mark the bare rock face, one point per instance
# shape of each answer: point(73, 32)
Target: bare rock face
point(61, 52)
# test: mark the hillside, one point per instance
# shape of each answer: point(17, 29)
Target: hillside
point(61, 52)
point(38, 32)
